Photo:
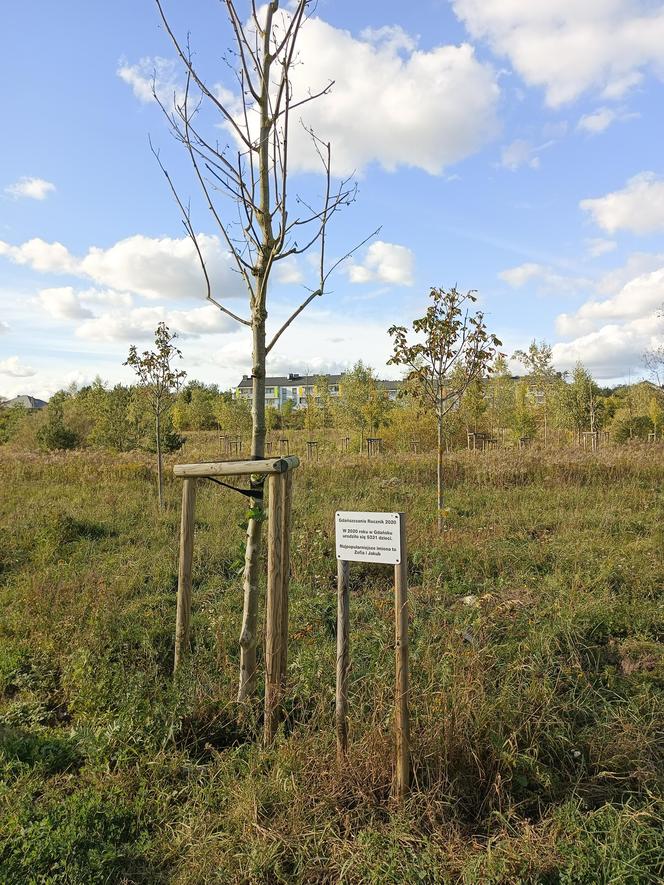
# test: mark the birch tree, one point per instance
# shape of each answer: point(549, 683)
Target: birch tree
point(451, 350)
point(246, 187)
point(501, 396)
point(362, 405)
point(543, 377)
point(582, 402)
point(160, 381)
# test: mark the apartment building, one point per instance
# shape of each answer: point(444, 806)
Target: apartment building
point(297, 388)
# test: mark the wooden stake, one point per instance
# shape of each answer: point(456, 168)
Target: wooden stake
point(273, 609)
point(343, 657)
point(401, 724)
point(184, 574)
point(287, 480)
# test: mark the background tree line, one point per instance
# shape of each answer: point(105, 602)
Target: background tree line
point(549, 407)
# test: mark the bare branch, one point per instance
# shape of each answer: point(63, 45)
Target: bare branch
point(351, 252)
point(243, 44)
point(242, 265)
point(200, 83)
point(192, 234)
point(312, 96)
point(318, 292)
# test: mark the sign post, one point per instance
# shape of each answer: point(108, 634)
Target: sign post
point(381, 538)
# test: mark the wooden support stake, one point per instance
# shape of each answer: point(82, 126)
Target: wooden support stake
point(343, 657)
point(184, 574)
point(402, 724)
point(237, 468)
point(273, 610)
point(287, 480)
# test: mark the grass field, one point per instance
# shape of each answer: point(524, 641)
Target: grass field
point(537, 639)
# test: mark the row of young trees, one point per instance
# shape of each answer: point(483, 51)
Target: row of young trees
point(362, 405)
point(549, 409)
point(122, 418)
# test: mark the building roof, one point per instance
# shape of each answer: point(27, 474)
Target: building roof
point(296, 380)
point(28, 402)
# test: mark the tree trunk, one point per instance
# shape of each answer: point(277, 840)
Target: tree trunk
point(160, 476)
point(439, 473)
point(248, 636)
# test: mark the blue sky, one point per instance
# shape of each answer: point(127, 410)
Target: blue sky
point(509, 147)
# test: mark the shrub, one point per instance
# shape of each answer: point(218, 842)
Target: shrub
point(10, 419)
point(54, 435)
point(632, 428)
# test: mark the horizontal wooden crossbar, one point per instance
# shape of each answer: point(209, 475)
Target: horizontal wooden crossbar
point(237, 468)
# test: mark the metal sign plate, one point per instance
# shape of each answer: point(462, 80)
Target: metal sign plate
point(368, 537)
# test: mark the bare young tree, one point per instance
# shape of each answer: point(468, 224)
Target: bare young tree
point(452, 349)
point(245, 184)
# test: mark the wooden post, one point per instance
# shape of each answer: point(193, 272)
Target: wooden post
point(343, 657)
point(184, 574)
point(273, 609)
point(287, 480)
point(401, 724)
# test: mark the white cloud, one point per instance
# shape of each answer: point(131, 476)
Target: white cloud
point(163, 267)
point(392, 37)
point(638, 299)
point(66, 303)
point(597, 246)
point(148, 266)
point(288, 272)
point(208, 320)
point(602, 118)
point(610, 334)
point(610, 351)
point(33, 188)
point(62, 303)
point(152, 72)
point(106, 297)
point(519, 153)
point(140, 323)
point(47, 381)
point(638, 207)
point(13, 367)
point(385, 263)
point(391, 103)
point(321, 340)
point(40, 255)
point(4, 327)
point(569, 47)
point(517, 276)
point(546, 279)
point(637, 264)
point(310, 368)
